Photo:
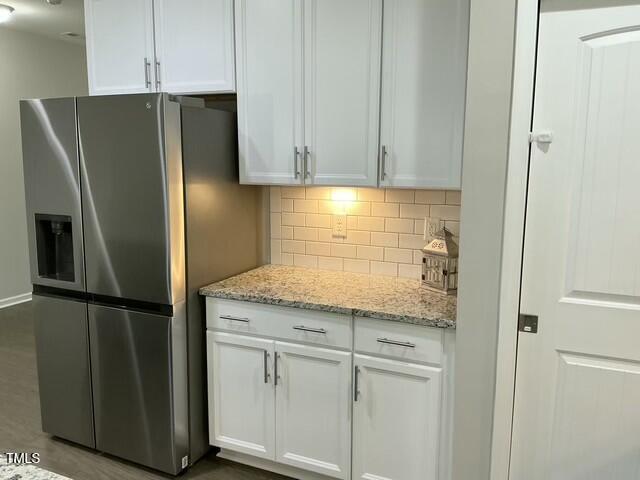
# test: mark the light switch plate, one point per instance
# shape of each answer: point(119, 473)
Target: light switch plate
point(339, 224)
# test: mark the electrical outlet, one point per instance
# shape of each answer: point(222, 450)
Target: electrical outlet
point(431, 227)
point(339, 226)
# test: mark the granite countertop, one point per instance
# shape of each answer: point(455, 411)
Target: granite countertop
point(386, 298)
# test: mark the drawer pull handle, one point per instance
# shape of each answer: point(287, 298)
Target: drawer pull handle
point(235, 319)
point(309, 329)
point(395, 342)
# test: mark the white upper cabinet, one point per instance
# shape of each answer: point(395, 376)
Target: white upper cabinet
point(423, 92)
point(175, 46)
point(194, 45)
point(269, 68)
point(313, 401)
point(342, 90)
point(396, 419)
point(120, 52)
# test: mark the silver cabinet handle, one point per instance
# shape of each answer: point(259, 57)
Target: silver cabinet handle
point(158, 81)
point(275, 369)
point(296, 154)
point(235, 319)
point(356, 392)
point(305, 155)
point(266, 369)
point(383, 162)
point(309, 329)
point(396, 342)
point(147, 72)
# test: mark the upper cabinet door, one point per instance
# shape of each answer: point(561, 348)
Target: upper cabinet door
point(194, 46)
point(423, 92)
point(269, 69)
point(120, 51)
point(342, 90)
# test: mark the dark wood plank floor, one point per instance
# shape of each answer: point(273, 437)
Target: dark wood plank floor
point(20, 420)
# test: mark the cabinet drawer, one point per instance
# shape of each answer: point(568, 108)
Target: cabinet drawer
point(287, 323)
point(398, 340)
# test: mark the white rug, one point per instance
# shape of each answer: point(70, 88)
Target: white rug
point(25, 472)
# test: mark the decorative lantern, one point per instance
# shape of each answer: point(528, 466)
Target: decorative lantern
point(440, 263)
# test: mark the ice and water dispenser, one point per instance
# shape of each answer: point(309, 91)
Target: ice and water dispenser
point(54, 247)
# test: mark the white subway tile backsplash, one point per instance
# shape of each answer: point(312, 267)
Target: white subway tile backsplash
point(305, 233)
point(370, 194)
point(385, 209)
point(411, 241)
point(343, 250)
point(309, 261)
point(453, 197)
point(384, 239)
point(411, 210)
point(430, 197)
point(330, 263)
point(384, 234)
point(305, 206)
point(356, 266)
point(358, 237)
point(318, 248)
point(400, 196)
point(370, 253)
point(292, 192)
point(384, 268)
point(398, 255)
point(409, 271)
point(399, 225)
point(293, 246)
point(318, 221)
point(446, 212)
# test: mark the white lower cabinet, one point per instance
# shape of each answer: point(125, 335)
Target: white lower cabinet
point(313, 403)
point(241, 394)
point(396, 419)
point(316, 395)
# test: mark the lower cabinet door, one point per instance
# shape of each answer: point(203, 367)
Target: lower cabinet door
point(395, 420)
point(313, 398)
point(241, 394)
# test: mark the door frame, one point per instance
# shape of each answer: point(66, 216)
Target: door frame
point(523, 90)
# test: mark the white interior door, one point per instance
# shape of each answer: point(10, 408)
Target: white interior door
point(120, 49)
point(342, 90)
point(577, 404)
point(194, 45)
point(269, 90)
point(241, 394)
point(313, 401)
point(396, 420)
point(424, 60)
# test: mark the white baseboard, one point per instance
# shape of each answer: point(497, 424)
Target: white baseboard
point(271, 466)
point(7, 302)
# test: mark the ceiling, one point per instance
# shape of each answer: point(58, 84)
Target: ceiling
point(37, 16)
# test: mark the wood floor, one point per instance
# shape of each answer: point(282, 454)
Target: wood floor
point(20, 420)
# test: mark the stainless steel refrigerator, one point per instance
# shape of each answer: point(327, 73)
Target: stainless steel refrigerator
point(133, 204)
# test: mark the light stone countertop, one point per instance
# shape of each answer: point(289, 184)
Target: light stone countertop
point(386, 298)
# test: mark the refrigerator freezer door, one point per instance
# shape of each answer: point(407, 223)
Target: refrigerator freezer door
point(52, 187)
point(132, 197)
point(64, 377)
point(138, 364)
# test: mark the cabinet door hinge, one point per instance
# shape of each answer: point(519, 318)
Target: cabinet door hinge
point(543, 137)
point(528, 323)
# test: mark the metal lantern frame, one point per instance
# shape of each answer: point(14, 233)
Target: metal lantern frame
point(440, 263)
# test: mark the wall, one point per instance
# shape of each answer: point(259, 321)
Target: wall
point(489, 87)
point(30, 66)
point(384, 227)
